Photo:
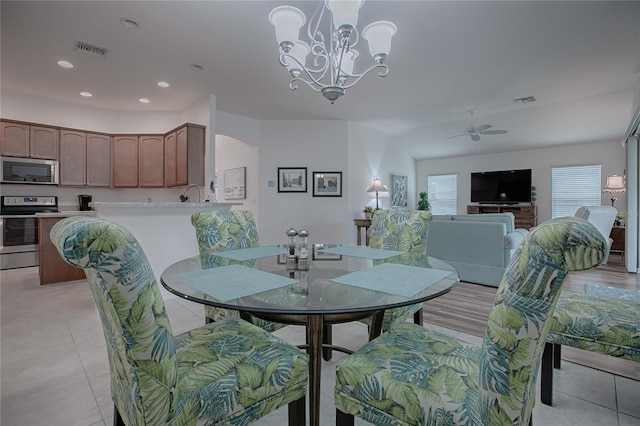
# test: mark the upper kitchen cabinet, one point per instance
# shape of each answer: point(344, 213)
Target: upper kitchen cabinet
point(24, 140)
point(85, 159)
point(125, 161)
point(98, 160)
point(170, 179)
point(151, 161)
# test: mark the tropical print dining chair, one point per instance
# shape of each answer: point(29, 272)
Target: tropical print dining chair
point(402, 230)
point(227, 373)
point(412, 376)
point(223, 230)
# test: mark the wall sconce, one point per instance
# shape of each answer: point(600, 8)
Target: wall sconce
point(614, 185)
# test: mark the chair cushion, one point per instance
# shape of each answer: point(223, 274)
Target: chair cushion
point(599, 324)
point(216, 314)
point(213, 360)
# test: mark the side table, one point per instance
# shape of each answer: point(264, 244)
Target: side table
point(362, 223)
point(618, 235)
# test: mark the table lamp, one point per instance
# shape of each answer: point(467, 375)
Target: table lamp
point(377, 187)
point(614, 185)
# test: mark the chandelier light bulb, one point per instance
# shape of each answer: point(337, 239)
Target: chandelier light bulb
point(287, 20)
point(379, 35)
point(345, 14)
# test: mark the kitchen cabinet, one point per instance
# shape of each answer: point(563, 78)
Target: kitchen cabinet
point(85, 159)
point(52, 268)
point(524, 216)
point(184, 156)
point(31, 141)
point(73, 158)
point(125, 161)
point(151, 161)
point(98, 160)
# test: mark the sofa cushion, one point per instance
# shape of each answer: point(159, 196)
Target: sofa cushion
point(507, 218)
point(513, 239)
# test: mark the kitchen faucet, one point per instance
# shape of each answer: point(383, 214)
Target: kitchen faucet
point(184, 197)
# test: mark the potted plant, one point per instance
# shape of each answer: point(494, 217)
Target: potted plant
point(423, 203)
point(368, 212)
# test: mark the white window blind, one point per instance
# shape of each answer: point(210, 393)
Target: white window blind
point(443, 193)
point(572, 187)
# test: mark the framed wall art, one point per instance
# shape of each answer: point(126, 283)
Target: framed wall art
point(292, 179)
point(327, 184)
point(234, 183)
point(398, 191)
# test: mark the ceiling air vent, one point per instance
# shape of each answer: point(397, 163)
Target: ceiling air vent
point(91, 49)
point(525, 100)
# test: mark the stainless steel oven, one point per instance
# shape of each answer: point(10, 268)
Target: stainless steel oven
point(19, 228)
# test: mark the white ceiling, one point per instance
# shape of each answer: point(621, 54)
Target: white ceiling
point(581, 61)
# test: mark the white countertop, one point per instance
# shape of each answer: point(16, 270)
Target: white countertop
point(67, 213)
point(152, 204)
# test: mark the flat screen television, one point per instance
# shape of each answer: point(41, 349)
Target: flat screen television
point(501, 187)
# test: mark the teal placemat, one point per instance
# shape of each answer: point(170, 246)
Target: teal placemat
point(393, 278)
point(362, 251)
point(252, 252)
point(231, 282)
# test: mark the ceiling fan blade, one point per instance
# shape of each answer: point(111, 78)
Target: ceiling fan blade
point(474, 137)
point(483, 128)
point(493, 132)
point(457, 136)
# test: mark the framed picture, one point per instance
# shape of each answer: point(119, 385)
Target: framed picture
point(317, 254)
point(398, 191)
point(327, 184)
point(292, 179)
point(234, 183)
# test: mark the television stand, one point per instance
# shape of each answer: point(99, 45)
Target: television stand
point(525, 215)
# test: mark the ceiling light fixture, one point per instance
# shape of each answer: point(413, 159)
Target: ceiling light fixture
point(144, 100)
point(333, 57)
point(129, 23)
point(86, 94)
point(163, 84)
point(65, 64)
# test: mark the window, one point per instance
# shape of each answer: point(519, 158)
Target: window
point(572, 187)
point(443, 194)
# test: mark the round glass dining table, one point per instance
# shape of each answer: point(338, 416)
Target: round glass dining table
point(340, 284)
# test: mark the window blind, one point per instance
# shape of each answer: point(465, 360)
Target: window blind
point(572, 187)
point(443, 193)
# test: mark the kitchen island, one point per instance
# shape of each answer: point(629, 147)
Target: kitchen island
point(163, 229)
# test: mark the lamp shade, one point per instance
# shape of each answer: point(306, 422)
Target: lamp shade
point(288, 20)
point(377, 186)
point(299, 52)
point(345, 12)
point(379, 35)
point(614, 184)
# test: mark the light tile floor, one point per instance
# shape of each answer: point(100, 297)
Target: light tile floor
point(54, 368)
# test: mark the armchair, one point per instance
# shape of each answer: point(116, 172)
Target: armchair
point(602, 217)
point(412, 376)
point(229, 372)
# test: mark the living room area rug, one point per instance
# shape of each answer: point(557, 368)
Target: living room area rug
point(613, 292)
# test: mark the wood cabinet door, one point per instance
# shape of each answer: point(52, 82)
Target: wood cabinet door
point(52, 268)
point(151, 152)
point(182, 161)
point(170, 160)
point(73, 158)
point(14, 139)
point(43, 142)
point(125, 161)
point(98, 160)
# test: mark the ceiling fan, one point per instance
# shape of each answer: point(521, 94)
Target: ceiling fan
point(475, 132)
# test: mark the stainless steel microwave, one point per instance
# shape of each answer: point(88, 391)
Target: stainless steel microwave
point(29, 170)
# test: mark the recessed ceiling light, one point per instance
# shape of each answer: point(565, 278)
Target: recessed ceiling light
point(196, 67)
point(65, 64)
point(129, 23)
point(144, 100)
point(86, 94)
point(163, 84)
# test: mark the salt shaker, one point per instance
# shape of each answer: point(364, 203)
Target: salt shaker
point(303, 250)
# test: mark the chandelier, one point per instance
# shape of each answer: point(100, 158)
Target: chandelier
point(332, 66)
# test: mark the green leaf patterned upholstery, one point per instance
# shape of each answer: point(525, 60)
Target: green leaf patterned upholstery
point(226, 373)
point(411, 376)
point(591, 322)
point(403, 230)
point(223, 230)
